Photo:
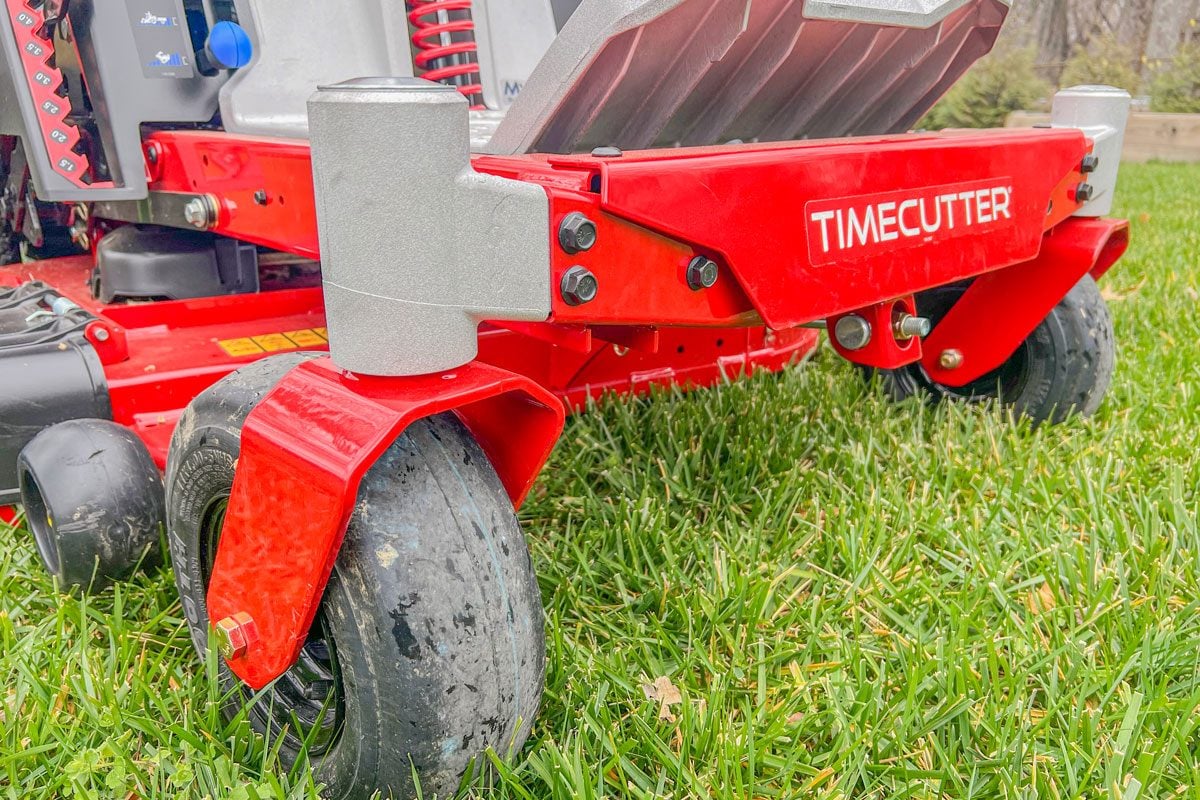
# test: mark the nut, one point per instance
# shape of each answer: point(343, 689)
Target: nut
point(578, 286)
point(852, 332)
point(576, 233)
point(234, 635)
point(950, 359)
point(702, 273)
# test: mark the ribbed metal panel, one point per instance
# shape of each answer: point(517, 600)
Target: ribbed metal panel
point(698, 72)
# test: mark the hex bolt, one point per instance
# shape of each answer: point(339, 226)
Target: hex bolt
point(1084, 193)
point(576, 233)
point(260, 197)
point(702, 273)
point(607, 152)
point(852, 332)
point(950, 359)
point(578, 286)
point(233, 635)
point(908, 327)
point(200, 212)
point(1090, 163)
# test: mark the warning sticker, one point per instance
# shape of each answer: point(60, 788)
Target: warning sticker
point(308, 338)
point(274, 342)
point(240, 347)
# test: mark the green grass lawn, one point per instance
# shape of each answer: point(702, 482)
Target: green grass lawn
point(853, 599)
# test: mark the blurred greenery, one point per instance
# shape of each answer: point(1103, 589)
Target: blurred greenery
point(1106, 62)
point(996, 86)
point(1176, 86)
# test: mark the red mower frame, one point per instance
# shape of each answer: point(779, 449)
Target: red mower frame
point(799, 232)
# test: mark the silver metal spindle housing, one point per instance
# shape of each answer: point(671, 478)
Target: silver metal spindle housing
point(417, 248)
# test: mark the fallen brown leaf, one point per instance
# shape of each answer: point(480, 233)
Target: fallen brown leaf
point(665, 693)
point(1042, 600)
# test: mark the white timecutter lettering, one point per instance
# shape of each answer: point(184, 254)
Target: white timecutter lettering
point(863, 224)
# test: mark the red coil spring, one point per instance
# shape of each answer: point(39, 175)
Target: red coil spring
point(454, 63)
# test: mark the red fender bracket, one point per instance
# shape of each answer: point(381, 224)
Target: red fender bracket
point(305, 449)
point(1001, 308)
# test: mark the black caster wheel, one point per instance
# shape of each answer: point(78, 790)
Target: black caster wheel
point(93, 499)
point(428, 646)
point(1063, 368)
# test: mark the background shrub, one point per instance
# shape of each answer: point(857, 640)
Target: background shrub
point(1104, 62)
point(998, 85)
point(1176, 86)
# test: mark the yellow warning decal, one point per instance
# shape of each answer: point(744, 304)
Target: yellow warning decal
point(307, 338)
point(240, 347)
point(274, 342)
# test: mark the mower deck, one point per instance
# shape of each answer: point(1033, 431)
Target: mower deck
point(158, 356)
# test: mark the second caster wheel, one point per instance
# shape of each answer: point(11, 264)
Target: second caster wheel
point(93, 499)
point(1062, 368)
point(428, 647)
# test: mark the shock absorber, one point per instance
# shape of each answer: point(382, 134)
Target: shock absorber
point(444, 44)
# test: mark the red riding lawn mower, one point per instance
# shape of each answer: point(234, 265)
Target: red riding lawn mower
point(346, 322)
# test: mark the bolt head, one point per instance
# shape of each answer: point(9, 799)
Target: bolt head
point(576, 233)
point(260, 197)
point(234, 635)
point(1084, 193)
point(101, 334)
point(1090, 163)
point(196, 213)
point(607, 152)
point(578, 286)
point(152, 153)
point(950, 359)
point(702, 273)
point(852, 332)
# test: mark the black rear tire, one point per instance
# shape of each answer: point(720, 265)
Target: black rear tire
point(1064, 367)
point(428, 648)
point(93, 499)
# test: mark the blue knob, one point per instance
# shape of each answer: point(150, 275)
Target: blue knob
point(229, 46)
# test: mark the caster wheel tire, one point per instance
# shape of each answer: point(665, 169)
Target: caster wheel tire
point(1064, 367)
point(93, 500)
point(428, 646)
